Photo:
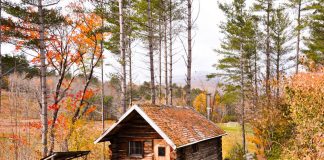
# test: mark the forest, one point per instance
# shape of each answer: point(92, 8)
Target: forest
point(70, 69)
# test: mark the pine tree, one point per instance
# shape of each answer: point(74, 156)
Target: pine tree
point(315, 47)
point(297, 4)
point(267, 7)
point(42, 19)
point(238, 50)
point(281, 36)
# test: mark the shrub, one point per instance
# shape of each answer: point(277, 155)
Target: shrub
point(236, 153)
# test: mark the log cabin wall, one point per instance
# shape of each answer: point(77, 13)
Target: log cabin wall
point(207, 150)
point(134, 129)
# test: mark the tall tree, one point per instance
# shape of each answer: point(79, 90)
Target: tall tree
point(122, 54)
point(43, 77)
point(151, 56)
point(266, 6)
point(315, 47)
point(165, 51)
point(160, 55)
point(130, 63)
point(101, 6)
point(238, 51)
point(60, 59)
point(189, 54)
point(0, 55)
point(297, 3)
point(280, 35)
point(170, 54)
point(30, 31)
point(87, 43)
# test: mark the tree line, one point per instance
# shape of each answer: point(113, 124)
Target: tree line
point(71, 46)
point(263, 45)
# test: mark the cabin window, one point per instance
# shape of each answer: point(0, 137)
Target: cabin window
point(136, 148)
point(161, 151)
point(195, 148)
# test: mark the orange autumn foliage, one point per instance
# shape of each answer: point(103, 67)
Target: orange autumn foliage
point(305, 95)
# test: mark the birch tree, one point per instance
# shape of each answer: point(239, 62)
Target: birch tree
point(122, 54)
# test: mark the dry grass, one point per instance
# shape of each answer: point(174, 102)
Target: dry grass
point(234, 135)
point(22, 140)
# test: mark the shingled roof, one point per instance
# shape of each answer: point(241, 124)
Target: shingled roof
point(178, 126)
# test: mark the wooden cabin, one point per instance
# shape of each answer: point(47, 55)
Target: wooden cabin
point(163, 133)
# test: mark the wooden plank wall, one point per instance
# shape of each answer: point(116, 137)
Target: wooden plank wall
point(134, 129)
point(207, 150)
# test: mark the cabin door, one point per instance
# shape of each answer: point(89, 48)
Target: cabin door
point(161, 150)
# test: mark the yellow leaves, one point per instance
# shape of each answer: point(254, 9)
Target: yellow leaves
point(200, 103)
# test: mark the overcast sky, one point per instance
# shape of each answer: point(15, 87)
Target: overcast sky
point(206, 38)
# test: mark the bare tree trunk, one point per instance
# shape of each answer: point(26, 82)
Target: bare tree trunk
point(122, 52)
point(130, 70)
point(102, 75)
point(242, 99)
point(43, 79)
point(256, 95)
point(102, 85)
point(189, 56)
point(170, 53)
point(160, 60)
point(298, 37)
point(0, 56)
point(150, 38)
point(278, 71)
point(166, 55)
point(268, 57)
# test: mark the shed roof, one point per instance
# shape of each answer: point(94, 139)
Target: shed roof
point(178, 126)
point(66, 155)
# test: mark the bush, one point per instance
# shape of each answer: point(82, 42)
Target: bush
point(229, 118)
point(236, 153)
point(306, 106)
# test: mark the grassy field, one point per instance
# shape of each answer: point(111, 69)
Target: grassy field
point(234, 135)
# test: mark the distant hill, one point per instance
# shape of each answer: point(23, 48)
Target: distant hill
point(199, 80)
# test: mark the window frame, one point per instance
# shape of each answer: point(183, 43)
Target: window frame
point(164, 151)
point(137, 155)
point(195, 148)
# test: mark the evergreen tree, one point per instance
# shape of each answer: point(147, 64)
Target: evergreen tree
point(281, 36)
point(238, 50)
point(29, 31)
point(315, 47)
point(267, 7)
point(297, 4)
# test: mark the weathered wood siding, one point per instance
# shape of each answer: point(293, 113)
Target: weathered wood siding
point(136, 128)
point(207, 150)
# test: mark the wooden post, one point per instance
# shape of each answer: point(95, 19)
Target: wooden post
point(208, 105)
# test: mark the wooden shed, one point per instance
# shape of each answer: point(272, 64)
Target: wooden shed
point(163, 133)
